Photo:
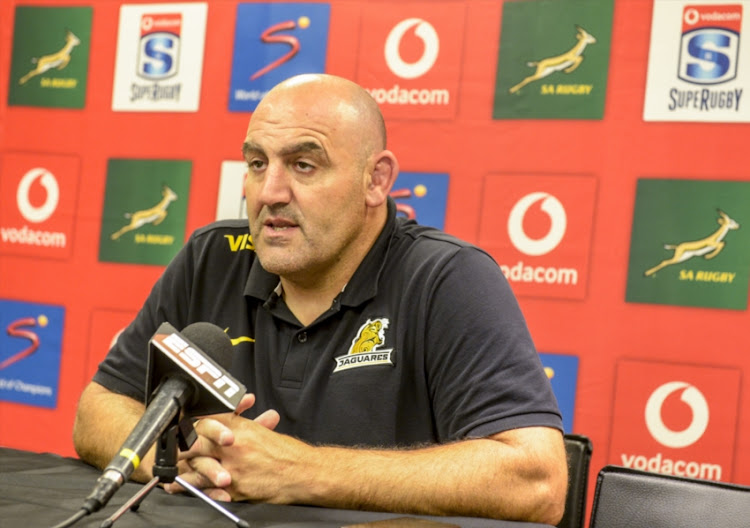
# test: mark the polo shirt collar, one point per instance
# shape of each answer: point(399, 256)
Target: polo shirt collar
point(363, 284)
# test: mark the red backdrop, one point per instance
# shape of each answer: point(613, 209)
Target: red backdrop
point(611, 338)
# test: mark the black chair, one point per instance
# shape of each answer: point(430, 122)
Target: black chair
point(630, 498)
point(578, 449)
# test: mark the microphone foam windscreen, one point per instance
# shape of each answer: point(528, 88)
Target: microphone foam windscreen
point(212, 340)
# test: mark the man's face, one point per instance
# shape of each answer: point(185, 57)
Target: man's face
point(305, 187)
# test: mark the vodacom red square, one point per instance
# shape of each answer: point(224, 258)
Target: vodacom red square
point(675, 419)
point(538, 228)
point(410, 58)
point(37, 204)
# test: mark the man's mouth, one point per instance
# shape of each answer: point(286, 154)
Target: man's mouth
point(279, 224)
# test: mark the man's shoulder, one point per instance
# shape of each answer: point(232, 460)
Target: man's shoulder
point(223, 237)
point(426, 240)
point(218, 227)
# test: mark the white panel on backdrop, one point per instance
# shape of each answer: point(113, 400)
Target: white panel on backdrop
point(231, 201)
point(159, 58)
point(697, 67)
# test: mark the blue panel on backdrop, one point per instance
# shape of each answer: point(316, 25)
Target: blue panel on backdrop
point(30, 349)
point(562, 372)
point(422, 196)
point(273, 42)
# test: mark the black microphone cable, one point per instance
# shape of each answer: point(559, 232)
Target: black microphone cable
point(70, 521)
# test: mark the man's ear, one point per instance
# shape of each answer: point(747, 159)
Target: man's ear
point(382, 178)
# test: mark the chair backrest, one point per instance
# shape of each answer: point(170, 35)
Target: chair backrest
point(578, 449)
point(640, 499)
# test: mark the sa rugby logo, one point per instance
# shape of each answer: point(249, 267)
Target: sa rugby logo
point(690, 245)
point(707, 248)
point(365, 348)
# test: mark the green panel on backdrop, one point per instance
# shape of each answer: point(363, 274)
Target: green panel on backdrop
point(553, 59)
point(690, 243)
point(145, 207)
point(49, 63)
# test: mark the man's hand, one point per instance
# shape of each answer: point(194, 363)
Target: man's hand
point(244, 458)
point(201, 465)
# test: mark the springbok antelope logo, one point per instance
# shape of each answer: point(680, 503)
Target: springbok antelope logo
point(155, 215)
point(57, 60)
point(707, 247)
point(568, 61)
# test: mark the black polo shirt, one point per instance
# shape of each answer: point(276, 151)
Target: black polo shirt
point(425, 344)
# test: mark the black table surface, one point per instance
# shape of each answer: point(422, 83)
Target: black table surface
point(40, 490)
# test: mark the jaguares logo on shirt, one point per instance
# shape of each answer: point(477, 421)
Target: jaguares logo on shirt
point(365, 348)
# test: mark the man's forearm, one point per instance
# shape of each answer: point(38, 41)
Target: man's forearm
point(482, 477)
point(103, 421)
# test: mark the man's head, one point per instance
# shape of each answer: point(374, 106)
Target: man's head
point(318, 177)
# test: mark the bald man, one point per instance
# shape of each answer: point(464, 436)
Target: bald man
point(388, 364)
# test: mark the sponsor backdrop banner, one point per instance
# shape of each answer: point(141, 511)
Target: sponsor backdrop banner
point(596, 149)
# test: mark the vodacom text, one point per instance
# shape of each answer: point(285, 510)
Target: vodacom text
point(35, 213)
point(522, 272)
point(397, 95)
point(675, 439)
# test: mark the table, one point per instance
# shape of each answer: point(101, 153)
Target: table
point(40, 490)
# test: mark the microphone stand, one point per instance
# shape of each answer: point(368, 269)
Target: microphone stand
point(179, 434)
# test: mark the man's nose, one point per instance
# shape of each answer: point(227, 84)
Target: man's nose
point(275, 187)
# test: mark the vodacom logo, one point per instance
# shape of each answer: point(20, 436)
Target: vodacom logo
point(556, 212)
point(691, 16)
point(691, 396)
point(48, 181)
point(429, 36)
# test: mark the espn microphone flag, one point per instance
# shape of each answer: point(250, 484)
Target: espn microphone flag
point(172, 352)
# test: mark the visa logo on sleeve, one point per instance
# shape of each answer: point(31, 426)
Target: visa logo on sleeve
point(30, 350)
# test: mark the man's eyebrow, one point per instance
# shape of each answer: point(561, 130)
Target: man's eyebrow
point(305, 146)
point(248, 148)
point(290, 150)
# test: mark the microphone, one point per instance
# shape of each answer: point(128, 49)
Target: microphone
point(189, 370)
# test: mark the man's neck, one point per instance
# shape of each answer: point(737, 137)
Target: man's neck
point(309, 298)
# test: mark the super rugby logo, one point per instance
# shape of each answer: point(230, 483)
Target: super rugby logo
point(365, 348)
point(159, 52)
point(158, 57)
point(709, 55)
point(710, 44)
point(663, 434)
